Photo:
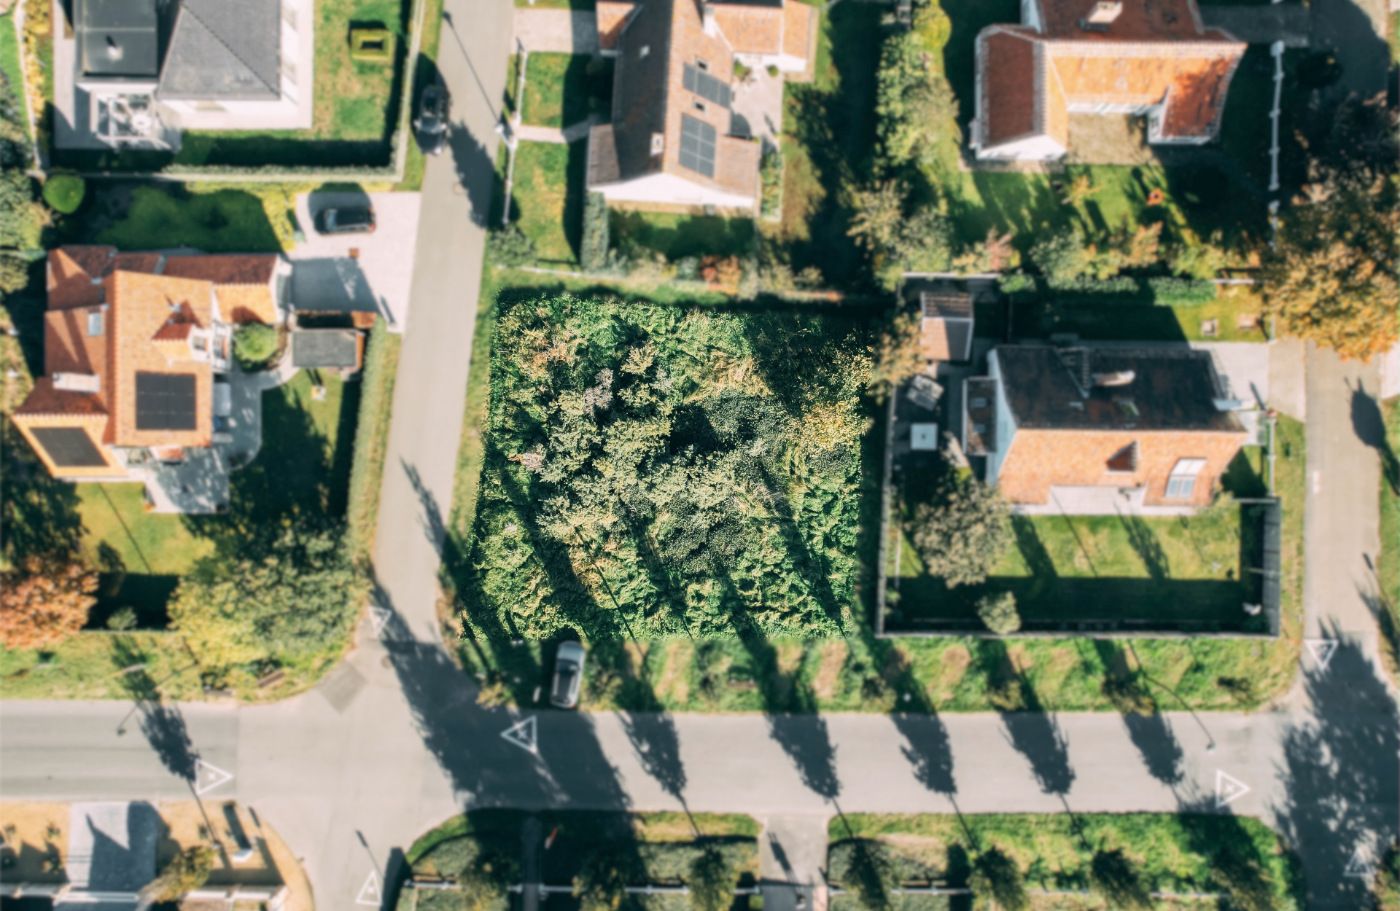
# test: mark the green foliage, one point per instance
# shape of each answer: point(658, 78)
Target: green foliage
point(122, 619)
point(371, 439)
point(292, 599)
point(667, 468)
point(998, 613)
point(254, 344)
point(512, 247)
point(711, 881)
point(1116, 878)
point(64, 193)
point(601, 885)
point(914, 103)
point(593, 252)
point(770, 181)
point(1199, 260)
point(14, 274)
point(899, 240)
point(961, 535)
point(996, 877)
point(871, 875)
point(21, 218)
point(187, 871)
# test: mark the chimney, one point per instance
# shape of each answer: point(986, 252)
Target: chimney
point(707, 17)
point(1103, 14)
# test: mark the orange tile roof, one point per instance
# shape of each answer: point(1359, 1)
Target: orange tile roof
point(799, 31)
point(1007, 60)
point(751, 29)
point(612, 15)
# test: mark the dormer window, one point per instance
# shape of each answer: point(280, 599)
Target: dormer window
point(1124, 460)
point(94, 326)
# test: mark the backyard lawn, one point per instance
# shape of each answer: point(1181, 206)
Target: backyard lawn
point(9, 60)
point(564, 89)
point(1235, 315)
point(1185, 853)
point(547, 197)
point(678, 236)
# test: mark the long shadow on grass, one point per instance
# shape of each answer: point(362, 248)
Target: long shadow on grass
point(38, 515)
point(1149, 730)
point(1341, 769)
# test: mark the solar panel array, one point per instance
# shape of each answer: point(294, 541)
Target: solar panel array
point(698, 145)
point(165, 401)
point(69, 447)
point(706, 86)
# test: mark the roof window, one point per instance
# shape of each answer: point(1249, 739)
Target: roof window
point(94, 327)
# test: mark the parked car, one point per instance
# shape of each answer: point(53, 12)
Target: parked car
point(568, 675)
point(345, 220)
point(430, 125)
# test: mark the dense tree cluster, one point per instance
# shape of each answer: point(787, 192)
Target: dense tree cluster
point(21, 216)
point(44, 601)
point(963, 532)
point(658, 469)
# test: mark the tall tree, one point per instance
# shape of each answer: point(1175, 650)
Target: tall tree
point(44, 601)
point(961, 535)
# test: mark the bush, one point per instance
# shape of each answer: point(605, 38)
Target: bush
point(14, 274)
point(593, 253)
point(1016, 283)
point(963, 533)
point(371, 439)
point(254, 344)
point(64, 193)
point(998, 613)
point(511, 247)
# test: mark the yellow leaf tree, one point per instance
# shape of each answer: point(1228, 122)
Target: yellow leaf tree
point(42, 603)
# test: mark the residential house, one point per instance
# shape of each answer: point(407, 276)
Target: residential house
point(1073, 57)
point(1101, 430)
point(146, 70)
point(137, 350)
point(677, 138)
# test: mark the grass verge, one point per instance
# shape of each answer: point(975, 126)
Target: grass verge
point(1390, 537)
point(371, 439)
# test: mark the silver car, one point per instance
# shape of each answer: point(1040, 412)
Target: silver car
point(568, 675)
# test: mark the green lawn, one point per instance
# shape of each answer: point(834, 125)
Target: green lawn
point(1390, 535)
point(254, 219)
point(1236, 315)
point(564, 89)
point(547, 198)
point(1180, 853)
point(677, 236)
point(9, 61)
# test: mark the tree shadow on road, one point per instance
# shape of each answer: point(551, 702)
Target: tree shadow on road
point(162, 724)
point(1368, 423)
point(1341, 771)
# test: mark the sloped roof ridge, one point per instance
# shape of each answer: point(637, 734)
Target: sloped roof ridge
point(213, 33)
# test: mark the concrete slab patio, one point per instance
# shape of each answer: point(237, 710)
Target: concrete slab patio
point(348, 272)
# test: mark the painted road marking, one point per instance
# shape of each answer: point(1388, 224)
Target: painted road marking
point(1316, 481)
point(1228, 789)
point(379, 618)
point(208, 776)
point(522, 734)
point(1360, 865)
point(370, 893)
point(1322, 650)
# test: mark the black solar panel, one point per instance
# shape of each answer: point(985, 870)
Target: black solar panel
point(706, 86)
point(165, 401)
point(69, 447)
point(697, 145)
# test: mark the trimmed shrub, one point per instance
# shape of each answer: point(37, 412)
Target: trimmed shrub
point(998, 613)
point(254, 344)
point(512, 247)
point(593, 252)
point(1182, 292)
point(64, 193)
point(371, 439)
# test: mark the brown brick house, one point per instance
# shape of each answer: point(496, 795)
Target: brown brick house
point(675, 140)
point(133, 343)
point(1067, 57)
point(1100, 430)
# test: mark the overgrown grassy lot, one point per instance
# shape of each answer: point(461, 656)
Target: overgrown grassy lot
point(564, 89)
point(1390, 534)
point(595, 851)
point(211, 218)
point(653, 469)
point(1185, 854)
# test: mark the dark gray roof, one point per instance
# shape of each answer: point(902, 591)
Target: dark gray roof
point(224, 50)
point(329, 348)
point(1169, 388)
point(118, 38)
point(69, 447)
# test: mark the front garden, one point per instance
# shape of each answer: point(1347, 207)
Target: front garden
point(1088, 860)
point(598, 859)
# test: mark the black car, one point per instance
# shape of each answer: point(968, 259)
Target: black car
point(345, 220)
point(430, 126)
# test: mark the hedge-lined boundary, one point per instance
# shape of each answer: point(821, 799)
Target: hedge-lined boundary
point(371, 439)
point(1166, 291)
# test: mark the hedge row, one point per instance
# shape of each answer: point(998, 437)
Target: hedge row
point(371, 439)
point(1166, 291)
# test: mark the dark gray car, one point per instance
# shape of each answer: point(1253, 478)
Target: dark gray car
point(430, 126)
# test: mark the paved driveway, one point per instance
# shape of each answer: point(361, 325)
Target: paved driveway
point(357, 271)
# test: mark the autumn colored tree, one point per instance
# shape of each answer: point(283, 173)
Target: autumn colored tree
point(1331, 278)
point(187, 871)
point(898, 355)
point(44, 602)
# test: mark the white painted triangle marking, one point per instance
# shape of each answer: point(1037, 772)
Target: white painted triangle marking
point(522, 734)
point(1360, 866)
point(208, 776)
point(1322, 650)
point(370, 893)
point(1228, 789)
point(379, 618)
